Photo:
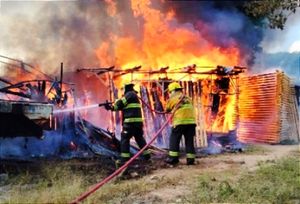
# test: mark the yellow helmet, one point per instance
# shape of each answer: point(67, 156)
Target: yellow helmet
point(173, 86)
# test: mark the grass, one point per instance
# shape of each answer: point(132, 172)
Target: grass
point(62, 184)
point(271, 183)
point(124, 190)
point(55, 183)
point(255, 149)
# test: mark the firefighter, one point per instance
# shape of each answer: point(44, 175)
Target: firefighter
point(132, 121)
point(183, 123)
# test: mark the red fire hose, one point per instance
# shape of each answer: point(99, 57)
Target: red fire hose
point(119, 170)
point(149, 107)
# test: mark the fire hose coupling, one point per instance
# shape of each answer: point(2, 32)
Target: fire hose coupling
point(107, 103)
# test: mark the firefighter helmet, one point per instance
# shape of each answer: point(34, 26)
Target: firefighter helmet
point(128, 86)
point(128, 83)
point(173, 86)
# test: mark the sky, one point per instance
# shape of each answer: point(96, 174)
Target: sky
point(287, 40)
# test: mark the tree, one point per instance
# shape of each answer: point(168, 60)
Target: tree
point(275, 12)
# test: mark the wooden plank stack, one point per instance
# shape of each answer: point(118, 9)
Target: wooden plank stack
point(289, 111)
point(267, 109)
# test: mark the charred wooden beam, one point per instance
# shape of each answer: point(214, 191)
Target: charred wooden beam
point(5, 81)
point(16, 93)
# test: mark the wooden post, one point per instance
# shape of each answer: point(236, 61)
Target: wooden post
point(61, 77)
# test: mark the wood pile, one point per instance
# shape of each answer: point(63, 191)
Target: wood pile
point(289, 111)
point(267, 109)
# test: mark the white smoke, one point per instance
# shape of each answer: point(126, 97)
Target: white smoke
point(49, 32)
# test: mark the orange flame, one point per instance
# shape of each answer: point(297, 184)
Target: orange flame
point(163, 42)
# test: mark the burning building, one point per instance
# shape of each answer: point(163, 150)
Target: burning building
point(34, 120)
point(230, 108)
point(226, 104)
point(151, 43)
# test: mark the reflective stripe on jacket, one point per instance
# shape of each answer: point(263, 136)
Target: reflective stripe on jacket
point(185, 114)
point(130, 106)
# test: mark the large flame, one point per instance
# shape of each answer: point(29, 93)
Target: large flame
point(160, 40)
point(163, 41)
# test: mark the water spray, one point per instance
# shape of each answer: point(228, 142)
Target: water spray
point(82, 107)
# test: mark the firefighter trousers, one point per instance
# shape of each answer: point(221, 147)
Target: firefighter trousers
point(132, 130)
point(189, 132)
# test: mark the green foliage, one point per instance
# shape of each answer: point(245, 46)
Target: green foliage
point(275, 12)
point(277, 183)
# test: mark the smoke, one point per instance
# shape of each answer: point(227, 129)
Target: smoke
point(47, 33)
point(221, 23)
point(54, 32)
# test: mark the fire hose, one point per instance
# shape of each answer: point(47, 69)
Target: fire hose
point(150, 108)
point(124, 166)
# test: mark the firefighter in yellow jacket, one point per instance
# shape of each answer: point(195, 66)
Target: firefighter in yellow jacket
point(130, 106)
point(183, 123)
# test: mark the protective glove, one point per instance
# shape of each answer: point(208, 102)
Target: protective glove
point(108, 106)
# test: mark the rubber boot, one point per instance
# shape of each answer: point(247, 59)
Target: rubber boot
point(118, 163)
point(172, 160)
point(190, 161)
point(121, 162)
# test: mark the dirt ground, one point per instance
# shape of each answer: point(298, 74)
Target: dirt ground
point(182, 178)
point(157, 183)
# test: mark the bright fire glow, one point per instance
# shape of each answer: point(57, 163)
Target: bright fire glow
point(165, 42)
point(162, 41)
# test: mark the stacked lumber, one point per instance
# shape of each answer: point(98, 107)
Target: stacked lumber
point(258, 109)
point(289, 130)
point(266, 112)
